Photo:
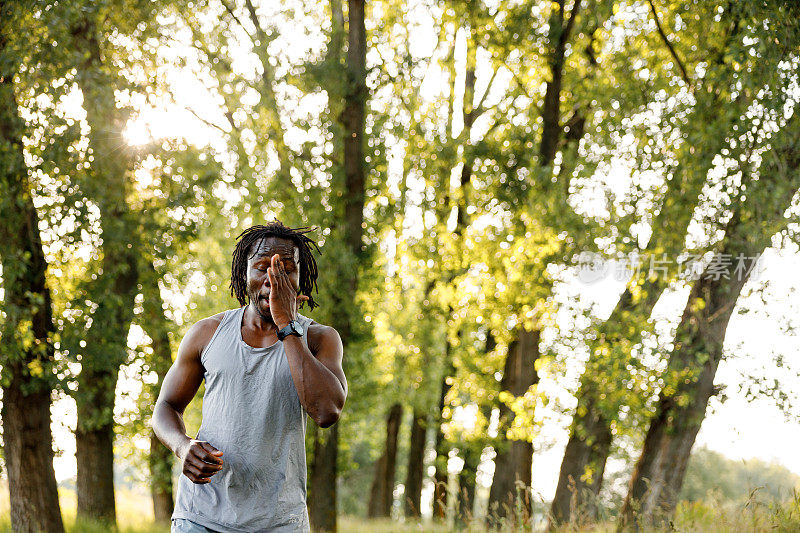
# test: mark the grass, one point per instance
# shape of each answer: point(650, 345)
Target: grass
point(135, 515)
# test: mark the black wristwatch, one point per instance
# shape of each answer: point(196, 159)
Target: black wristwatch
point(294, 328)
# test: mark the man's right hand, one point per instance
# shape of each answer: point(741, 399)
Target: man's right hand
point(200, 460)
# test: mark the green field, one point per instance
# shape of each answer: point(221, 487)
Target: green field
point(134, 514)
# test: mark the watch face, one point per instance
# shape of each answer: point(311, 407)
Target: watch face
point(298, 328)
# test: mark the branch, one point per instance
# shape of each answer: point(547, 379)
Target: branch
point(230, 11)
point(672, 51)
point(254, 19)
point(478, 111)
point(204, 120)
point(520, 82)
point(571, 22)
point(208, 122)
point(502, 116)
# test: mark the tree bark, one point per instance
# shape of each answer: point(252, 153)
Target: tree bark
point(95, 460)
point(659, 472)
point(114, 291)
point(27, 346)
point(322, 496)
point(466, 484)
point(382, 493)
point(689, 381)
point(322, 508)
point(509, 496)
point(589, 445)
point(415, 470)
point(551, 110)
point(29, 454)
point(441, 446)
point(160, 463)
point(156, 326)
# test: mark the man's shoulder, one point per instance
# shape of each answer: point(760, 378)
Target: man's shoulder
point(317, 333)
point(210, 323)
point(315, 326)
point(200, 333)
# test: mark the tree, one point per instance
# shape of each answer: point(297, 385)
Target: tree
point(106, 340)
point(514, 456)
point(689, 380)
point(382, 491)
point(100, 45)
point(322, 507)
point(712, 475)
point(599, 395)
point(28, 332)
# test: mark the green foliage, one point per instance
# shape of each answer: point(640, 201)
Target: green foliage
point(710, 475)
point(469, 225)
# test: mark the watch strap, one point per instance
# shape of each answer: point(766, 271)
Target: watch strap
point(293, 328)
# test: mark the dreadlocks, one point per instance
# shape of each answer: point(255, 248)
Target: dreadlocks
point(253, 235)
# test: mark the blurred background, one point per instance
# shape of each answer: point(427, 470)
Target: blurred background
point(559, 241)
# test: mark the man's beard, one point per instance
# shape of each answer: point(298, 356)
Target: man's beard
point(263, 312)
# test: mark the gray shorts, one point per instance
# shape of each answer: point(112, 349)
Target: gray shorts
point(181, 525)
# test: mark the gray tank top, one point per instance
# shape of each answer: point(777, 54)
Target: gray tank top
point(251, 412)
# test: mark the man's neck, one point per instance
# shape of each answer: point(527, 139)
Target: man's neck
point(255, 321)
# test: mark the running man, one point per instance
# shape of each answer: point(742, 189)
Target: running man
point(265, 366)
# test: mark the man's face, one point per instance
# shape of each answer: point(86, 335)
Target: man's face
point(258, 285)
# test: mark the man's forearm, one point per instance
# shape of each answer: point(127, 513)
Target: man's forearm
point(321, 393)
point(169, 427)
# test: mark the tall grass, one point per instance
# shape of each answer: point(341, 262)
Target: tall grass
point(755, 515)
point(134, 513)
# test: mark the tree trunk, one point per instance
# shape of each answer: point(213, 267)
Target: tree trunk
point(156, 326)
point(551, 110)
point(322, 508)
point(509, 496)
point(322, 496)
point(381, 495)
point(352, 120)
point(440, 476)
point(415, 470)
point(689, 381)
point(160, 462)
point(29, 455)
point(466, 484)
point(589, 445)
point(114, 291)
point(95, 458)
point(583, 465)
point(27, 359)
point(441, 446)
point(659, 472)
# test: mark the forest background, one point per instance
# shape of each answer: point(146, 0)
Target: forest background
point(555, 237)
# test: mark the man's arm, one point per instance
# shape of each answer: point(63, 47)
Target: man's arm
point(200, 460)
point(318, 377)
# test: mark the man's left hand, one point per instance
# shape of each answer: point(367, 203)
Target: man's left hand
point(283, 297)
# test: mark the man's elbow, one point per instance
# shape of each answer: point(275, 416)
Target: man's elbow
point(328, 418)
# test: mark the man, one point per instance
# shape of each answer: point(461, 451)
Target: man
point(265, 365)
